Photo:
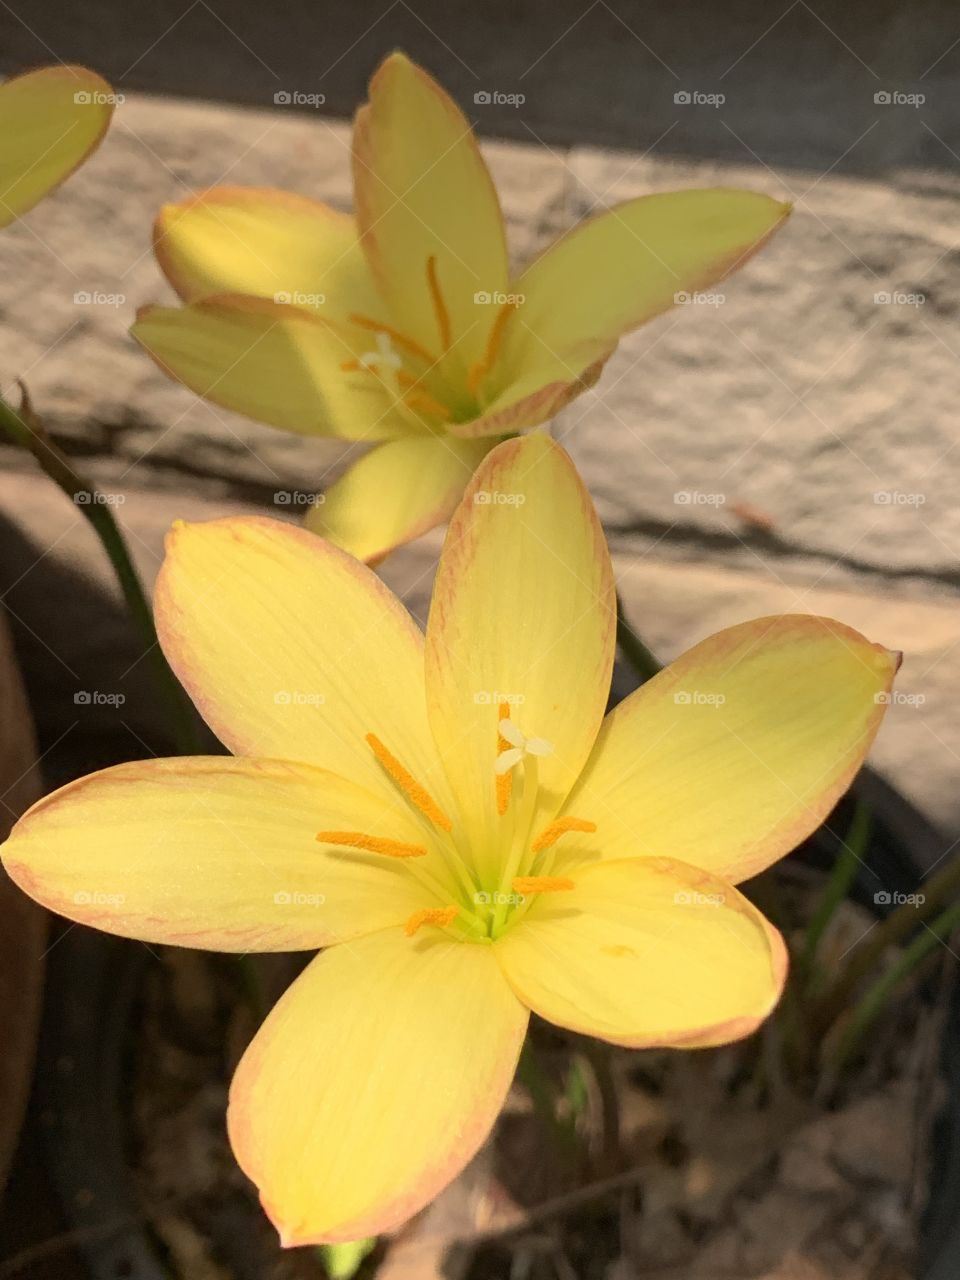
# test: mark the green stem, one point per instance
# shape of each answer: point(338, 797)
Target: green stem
point(842, 875)
point(24, 430)
point(872, 1002)
point(632, 647)
point(937, 891)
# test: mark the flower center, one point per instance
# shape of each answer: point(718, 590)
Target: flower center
point(454, 394)
point(473, 911)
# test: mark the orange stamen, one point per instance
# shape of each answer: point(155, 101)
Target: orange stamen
point(372, 844)
point(408, 784)
point(541, 884)
point(439, 306)
point(440, 916)
point(416, 395)
point(504, 780)
point(401, 339)
point(351, 366)
point(480, 368)
point(560, 826)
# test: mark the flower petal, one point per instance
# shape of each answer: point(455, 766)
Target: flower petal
point(730, 757)
point(292, 649)
point(272, 244)
point(50, 121)
point(423, 191)
point(373, 1082)
point(395, 493)
point(216, 853)
point(647, 952)
point(531, 401)
point(619, 269)
point(275, 363)
point(522, 612)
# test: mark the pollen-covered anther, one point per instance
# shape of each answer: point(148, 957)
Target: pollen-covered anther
point(372, 844)
point(439, 916)
point(559, 827)
point(411, 788)
point(541, 884)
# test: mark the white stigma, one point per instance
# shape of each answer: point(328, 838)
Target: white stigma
point(383, 358)
point(520, 746)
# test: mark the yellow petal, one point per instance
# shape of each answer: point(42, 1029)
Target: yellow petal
point(645, 952)
point(396, 493)
point(292, 649)
point(423, 191)
point(373, 1082)
point(538, 396)
point(269, 243)
point(624, 266)
point(735, 753)
point(50, 121)
point(216, 853)
point(275, 363)
point(522, 613)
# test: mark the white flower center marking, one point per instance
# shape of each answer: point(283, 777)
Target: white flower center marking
point(520, 746)
point(384, 358)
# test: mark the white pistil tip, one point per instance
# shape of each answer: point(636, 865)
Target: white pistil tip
point(507, 759)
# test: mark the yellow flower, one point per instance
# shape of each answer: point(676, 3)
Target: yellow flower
point(404, 326)
point(454, 819)
point(50, 121)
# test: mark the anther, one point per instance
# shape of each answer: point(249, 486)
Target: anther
point(478, 371)
point(439, 306)
point(504, 780)
point(560, 826)
point(408, 784)
point(372, 844)
point(541, 884)
point(439, 916)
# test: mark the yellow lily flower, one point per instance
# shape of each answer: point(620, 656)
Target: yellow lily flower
point(404, 325)
point(50, 121)
point(455, 821)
